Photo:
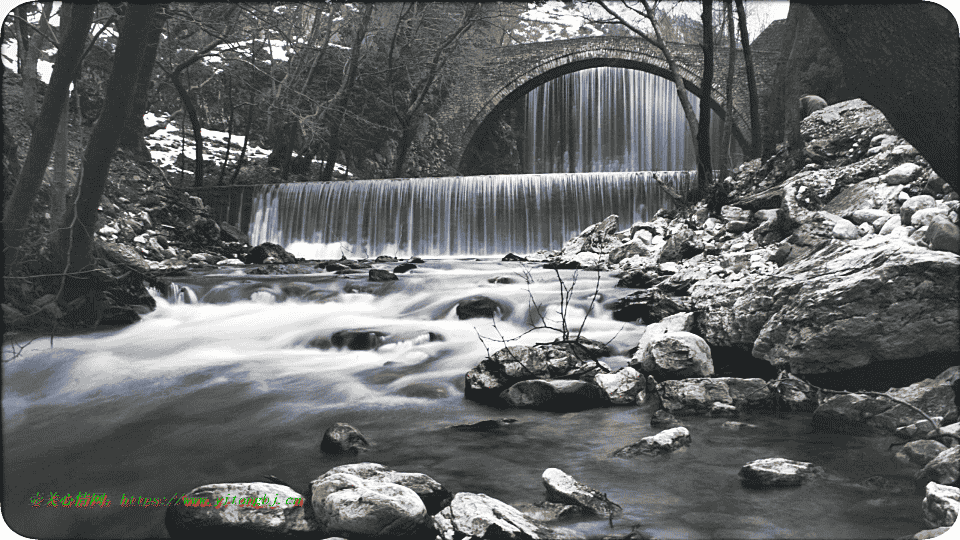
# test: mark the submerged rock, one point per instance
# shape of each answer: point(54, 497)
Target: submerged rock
point(777, 472)
point(563, 488)
point(481, 517)
point(382, 275)
point(343, 438)
point(697, 396)
point(663, 418)
point(478, 307)
point(664, 442)
point(484, 425)
point(554, 395)
point(239, 510)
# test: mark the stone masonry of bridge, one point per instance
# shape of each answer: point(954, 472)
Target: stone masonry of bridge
point(483, 83)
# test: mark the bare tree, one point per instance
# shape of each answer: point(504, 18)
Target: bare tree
point(20, 204)
point(72, 242)
point(704, 162)
point(727, 133)
point(31, 79)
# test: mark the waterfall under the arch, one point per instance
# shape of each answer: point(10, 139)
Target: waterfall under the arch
point(452, 216)
point(610, 119)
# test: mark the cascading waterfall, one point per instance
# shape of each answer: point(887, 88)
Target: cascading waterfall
point(468, 215)
point(587, 133)
point(610, 119)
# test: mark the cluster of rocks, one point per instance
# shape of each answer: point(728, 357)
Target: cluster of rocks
point(369, 501)
point(850, 262)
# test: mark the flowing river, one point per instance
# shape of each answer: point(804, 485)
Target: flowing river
point(235, 376)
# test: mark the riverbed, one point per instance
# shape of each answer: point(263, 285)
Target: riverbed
point(235, 376)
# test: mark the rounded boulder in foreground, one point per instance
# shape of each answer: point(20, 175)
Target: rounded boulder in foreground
point(345, 504)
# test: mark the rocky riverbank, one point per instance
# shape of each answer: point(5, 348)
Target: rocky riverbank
point(832, 289)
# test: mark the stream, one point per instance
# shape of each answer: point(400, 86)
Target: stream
point(235, 376)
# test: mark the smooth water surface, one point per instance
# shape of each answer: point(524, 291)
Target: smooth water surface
point(239, 375)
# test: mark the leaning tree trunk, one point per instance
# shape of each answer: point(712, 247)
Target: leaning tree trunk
point(903, 59)
point(71, 246)
point(704, 163)
point(20, 204)
point(756, 127)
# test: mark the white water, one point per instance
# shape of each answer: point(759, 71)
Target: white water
point(610, 119)
point(454, 216)
point(229, 388)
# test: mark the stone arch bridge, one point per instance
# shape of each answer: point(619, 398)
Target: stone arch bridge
point(485, 82)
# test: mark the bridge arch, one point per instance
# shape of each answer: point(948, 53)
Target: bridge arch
point(488, 84)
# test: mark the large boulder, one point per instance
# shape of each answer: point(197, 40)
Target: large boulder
point(348, 505)
point(476, 516)
point(844, 306)
point(678, 322)
point(260, 509)
point(777, 472)
point(677, 355)
point(941, 505)
point(563, 488)
point(867, 413)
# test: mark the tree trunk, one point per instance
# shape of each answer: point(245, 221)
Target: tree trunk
point(903, 59)
point(191, 109)
point(134, 130)
point(727, 132)
point(31, 80)
point(72, 243)
point(59, 184)
point(20, 204)
point(704, 163)
point(756, 127)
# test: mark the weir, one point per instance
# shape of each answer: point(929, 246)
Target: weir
point(451, 216)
